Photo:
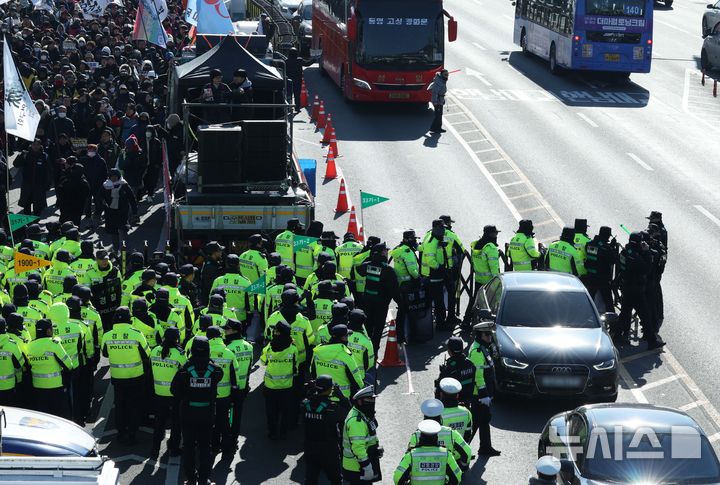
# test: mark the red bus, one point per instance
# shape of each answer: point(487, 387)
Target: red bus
point(381, 50)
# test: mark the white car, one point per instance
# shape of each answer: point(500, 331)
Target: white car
point(710, 54)
point(288, 7)
point(711, 17)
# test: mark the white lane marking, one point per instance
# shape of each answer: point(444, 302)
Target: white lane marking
point(502, 172)
point(521, 196)
point(486, 150)
point(411, 389)
point(692, 405)
point(668, 24)
point(478, 141)
point(479, 46)
point(587, 120)
point(640, 162)
point(632, 385)
point(693, 388)
point(640, 355)
point(477, 75)
point(104, 411)
point(512, 183)
point(467, 131)
point(708, 214)
point(661, 382)
point(494, 161)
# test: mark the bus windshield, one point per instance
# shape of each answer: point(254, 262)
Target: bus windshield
point(400, 33)
point(615, 8)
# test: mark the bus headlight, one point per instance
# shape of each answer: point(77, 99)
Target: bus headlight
point(637, 53)
point(587, 50)
point(361, 84)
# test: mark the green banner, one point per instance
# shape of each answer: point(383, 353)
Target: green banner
point(369, 200)
point(257, 286)
point(19, 220)
point(300, 242)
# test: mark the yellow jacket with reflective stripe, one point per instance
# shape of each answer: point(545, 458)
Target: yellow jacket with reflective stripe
point(280, 367)
point(164, 369)
point(43, 355)
point(523, 250)
point(125, 347)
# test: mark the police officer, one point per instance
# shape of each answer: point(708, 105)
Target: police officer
point(428, 462)
point(324, 411)
point(127, 350)
point(562, 255)
point(301, 330)
point(323, 302)
point(133, 274)
point(284, 242)
point(600, 259)
point(67, 285)
point(358, 281)
point(339, 316)
point(195, 386)
point(407, 270)
point(253, 263)
point(84, 263)
point(655, 217)
point(145, 321)
point(328, 243)
point(12, 362)
point(433, 265)
point(336, 360)
point(485, 259)
point(187, 285)
point(455, 415)
point(581, 238)
point(243, 351)
point(234, 285)
point(547, 468)
point(54, 275)
point(454, 252)
point(459, 367)
point(360, 444)
point(484, 389)
point(524, 249)
point(360, 344)
point(654, 290)
point(227, 388)
point(106, 287)
point(305, 256)
point(346, 253)
point(147, 286)
point(280, 358)
point(30, 315)
point(170, 282)
point(50, 369)
point(275, 289)
point(211, 269)
point(165, 361)
point(381, 286)
point(168, 316)
point(447, 437)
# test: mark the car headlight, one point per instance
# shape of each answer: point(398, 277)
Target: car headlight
point(607, 365)
point(361, 84)
point(513, 363)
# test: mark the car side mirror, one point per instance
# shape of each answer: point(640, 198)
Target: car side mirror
point(452, 30)
point(610, 318)
point(567, 469)
point(485, 315)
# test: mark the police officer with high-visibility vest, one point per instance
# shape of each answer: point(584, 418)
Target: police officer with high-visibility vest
point(428, 462)
point(274, 290)
point(55, 274)
point(167, 316)
point(459, 367)
point(284, 242)
point(73, 334)
point(381, 287)
point(484, 389)
point(447, 437)
point(12, 363)
point(84, 263)
point(336, 360)
point(22, 306)
point(243, 351)
point(360, 445)
point(253, 262)
point(195, 386)
point(524, 249)
point(360, 344)
point(166, 360)
point(358, 285)
point(323, 302)
point(170, 282)
point(454, 252)
point(280, 358)
point(485, 259)
point(50, 368)
point(305, 257)
point(455, 415)
point(346, 253)
point(407, 269)
point(234, 285)
point(562, 255)
point(301, 330)
point(580, 239)
point(127, 350)
point(433, 265)
point(106, 287)
point(145, 321)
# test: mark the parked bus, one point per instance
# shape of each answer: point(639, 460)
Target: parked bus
point(381, 50)
point(589, 35)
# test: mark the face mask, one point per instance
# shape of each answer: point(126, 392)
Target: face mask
point(367, 408)
point(91, 154)
point(62, 115)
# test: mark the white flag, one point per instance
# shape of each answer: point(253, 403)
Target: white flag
point(162, 9)
point(21, 117)
point(43, 5)
point(191, 14)
point(92, 9)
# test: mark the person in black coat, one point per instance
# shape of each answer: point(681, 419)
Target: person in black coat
point(35, 179)
point(58, 153)
point(133, 164)
point(154, 166)
point(60, 123)
point(173, 133)
point(96, 131)
point(294, 70)
point(96, 172)
point(120, 202)
point(73, 193)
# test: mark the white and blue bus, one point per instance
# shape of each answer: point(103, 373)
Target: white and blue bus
point(587, 35)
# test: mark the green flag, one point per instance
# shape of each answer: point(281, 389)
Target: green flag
point(622, 226)
point(369, 200)
point(257, 286)
point(300, 242)
point(19, 220)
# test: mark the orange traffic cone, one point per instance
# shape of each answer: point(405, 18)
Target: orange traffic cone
point(391, 357)
point(328, 129)
point(353, 225)
point(333, 142)
point(315, 109)
point(330, 169)
point(361, 237)
point(342, 202)
point(303, 95)
point(321, 119)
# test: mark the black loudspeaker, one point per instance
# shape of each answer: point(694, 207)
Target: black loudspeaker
point(264, 150)
point(219, 157)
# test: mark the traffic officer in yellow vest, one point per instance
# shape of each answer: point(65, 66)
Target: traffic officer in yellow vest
point(284, 242)
point(12, 363)
point(274, 261)
point(148, 287)
point(455, 415)
point(280, 358)
point(227, 388)
point(234, 285)
point(407, 269)
point(253, 263)
point(328, 243)
point(55, 274)
point(346, 253)
point(177, 300)
point(580, 240)
point(127, 350)
point(301, 330)
point(84, 263)
point(339, 312)
point(524, 249)
point(484, 390)
point(36, 234)
point(305, 256)
point(336, 360)
point(447, 437)
point(217, 310)
point(243, 351)
point(428, 463)
point(360, 444)
point(30, 315)
point(68, 284)
point(358, 280)
point(274, 290)
point(133, 276)
point(50, 367)
point(433, 266)
point(454, 253)
point(485, 259)
point(69, 243)
point(165, 362)
point(168, 316)
point(86, 378)
point(562, 255)
point(360, 344)
point(323, 302)
point(144, 320)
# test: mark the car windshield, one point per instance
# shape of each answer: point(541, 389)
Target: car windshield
point(397, 33)
point(666, 461)
point(307, 12)
point(615, 8)
point(548, 309)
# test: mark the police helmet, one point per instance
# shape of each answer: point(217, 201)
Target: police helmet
point(213, 332)
point(432, 408)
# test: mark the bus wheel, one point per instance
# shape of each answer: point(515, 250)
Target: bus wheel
point(704, 61)
point(524, 42)
point(554, 68)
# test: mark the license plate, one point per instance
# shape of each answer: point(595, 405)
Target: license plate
point(562, 382)
point(399, 95)
point(612, 57)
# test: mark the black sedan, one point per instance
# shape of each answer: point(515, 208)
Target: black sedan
point(549, 339)
point(608, 444)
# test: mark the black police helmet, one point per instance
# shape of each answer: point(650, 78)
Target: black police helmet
point(170, 279)
point(162, 294)
point(289, 297)
point(340, 311)
point(205, 322)
point(42, 326)
point(140, 306)
point(3, 325)
point(213, 332)
point(323, 382)
point(346, 300)
point(357, 318)
point(74, 303)
point(20, 292)
point(200, 349)
point(122, 315)
point(172, 336)
point(216, 302)
point(62, 256)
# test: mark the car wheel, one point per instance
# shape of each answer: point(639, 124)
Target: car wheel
point(554, 68)
point(524, 42)
point(704, 61)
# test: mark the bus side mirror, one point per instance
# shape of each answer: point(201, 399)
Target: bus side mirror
point(452, 29)
point(352, 27)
